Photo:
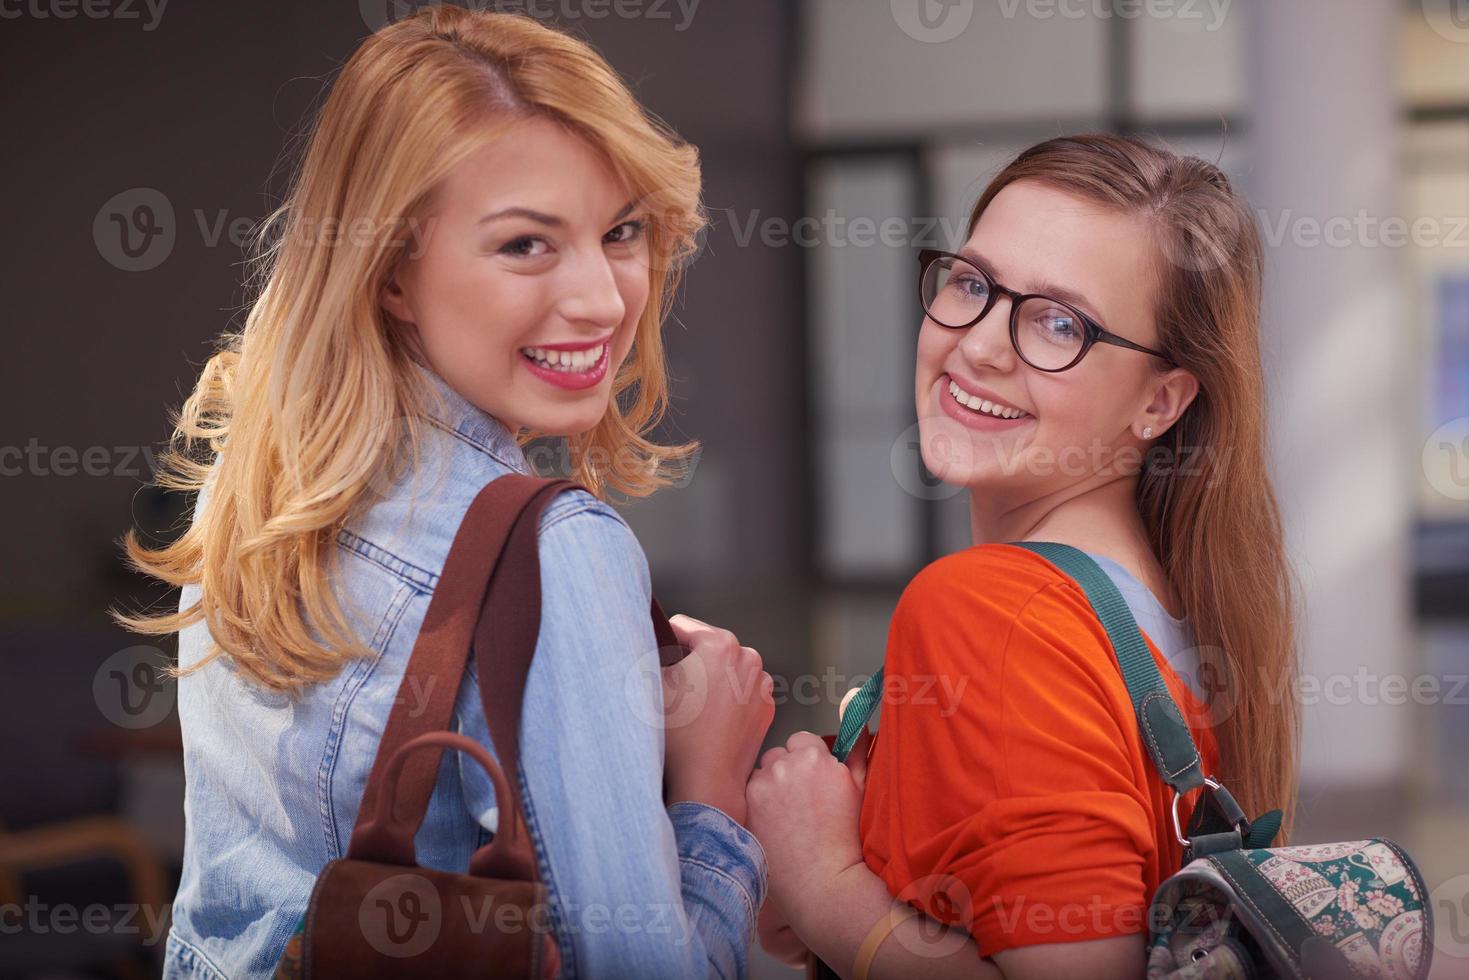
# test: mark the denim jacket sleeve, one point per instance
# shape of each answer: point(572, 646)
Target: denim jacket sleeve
point(637, 888)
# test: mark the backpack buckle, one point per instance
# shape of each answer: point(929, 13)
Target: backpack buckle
point(1225, 805)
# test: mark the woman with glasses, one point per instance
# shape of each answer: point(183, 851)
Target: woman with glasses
point(1088, 368)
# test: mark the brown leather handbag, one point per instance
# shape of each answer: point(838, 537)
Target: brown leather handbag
point(375, 913)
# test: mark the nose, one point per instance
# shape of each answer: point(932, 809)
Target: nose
point(592, 295)
point(988, 341)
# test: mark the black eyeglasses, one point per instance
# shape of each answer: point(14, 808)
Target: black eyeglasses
point(1048, 334)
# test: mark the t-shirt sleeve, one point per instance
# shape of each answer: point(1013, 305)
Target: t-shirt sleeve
point(1019, 798)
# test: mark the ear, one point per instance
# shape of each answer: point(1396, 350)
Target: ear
point(394, 300)
point(1172, 393)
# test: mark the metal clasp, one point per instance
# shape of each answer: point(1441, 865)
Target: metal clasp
point(1224, 799)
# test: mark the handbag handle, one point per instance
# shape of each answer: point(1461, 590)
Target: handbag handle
point(503, 856)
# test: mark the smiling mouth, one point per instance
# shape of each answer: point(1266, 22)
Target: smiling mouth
point(566, 361)
point(983, 405)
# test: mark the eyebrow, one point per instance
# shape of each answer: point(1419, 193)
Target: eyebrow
point(1042, 286)
point(542, 217)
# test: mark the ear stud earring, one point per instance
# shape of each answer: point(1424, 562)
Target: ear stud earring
point(1147, 432)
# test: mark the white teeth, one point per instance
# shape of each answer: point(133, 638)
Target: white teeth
point(564, 360)
point(984, 405)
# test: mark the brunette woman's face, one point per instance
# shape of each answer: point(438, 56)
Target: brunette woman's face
point(1034, 238)
point(526, 291)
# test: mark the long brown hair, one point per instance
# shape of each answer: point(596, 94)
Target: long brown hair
point(1212, 515)
point(318, 394)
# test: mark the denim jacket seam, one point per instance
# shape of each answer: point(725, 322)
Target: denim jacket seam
point(196, 957)
point(745, 896)
point(487, 448)
point(593, 506)
point(543, 860)
point(387, 629)
point(405, 571)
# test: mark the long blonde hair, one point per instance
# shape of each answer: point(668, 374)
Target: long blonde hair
point(1213, 520)
point(297, 414)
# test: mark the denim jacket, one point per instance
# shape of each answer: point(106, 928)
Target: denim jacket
point(273, 786)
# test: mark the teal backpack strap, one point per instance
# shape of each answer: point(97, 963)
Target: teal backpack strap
point(1164, 731)
point(1162, 725)
point(1264, 828)
point(855, 718)
point(1160, 722)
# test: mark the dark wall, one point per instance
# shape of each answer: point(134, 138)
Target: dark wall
point(200, 110)
point(200, 105)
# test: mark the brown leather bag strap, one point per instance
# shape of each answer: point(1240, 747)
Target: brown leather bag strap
point(493, 572)
point(670, 651)
point(505, 644)
point(431, 679)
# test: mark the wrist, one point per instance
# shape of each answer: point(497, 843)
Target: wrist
point(731, 804)
point(806, 898)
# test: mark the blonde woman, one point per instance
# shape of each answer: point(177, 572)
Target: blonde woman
point(1088, 368)
point(480, 245)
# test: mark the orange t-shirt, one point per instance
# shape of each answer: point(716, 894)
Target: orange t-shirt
point(1008, 789)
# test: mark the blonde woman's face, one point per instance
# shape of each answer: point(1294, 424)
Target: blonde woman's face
point(526, 294)
point(1034, 238)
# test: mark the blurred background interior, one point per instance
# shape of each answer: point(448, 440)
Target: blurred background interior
point(1347, 125)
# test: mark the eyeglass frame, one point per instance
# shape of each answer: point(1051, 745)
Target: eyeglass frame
point(1094, 332)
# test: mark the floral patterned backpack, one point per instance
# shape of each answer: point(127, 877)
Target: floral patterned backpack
point(1240, 909)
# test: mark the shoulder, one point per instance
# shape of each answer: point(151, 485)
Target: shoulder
point(586, 512)
point(409, 527)
point(986, 603)
point(997, 580)
point(585, 538)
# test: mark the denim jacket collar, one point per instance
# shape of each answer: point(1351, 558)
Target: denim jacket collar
point(472, 423)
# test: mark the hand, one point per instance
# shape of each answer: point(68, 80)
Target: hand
point(718, 704)
point(804, 807)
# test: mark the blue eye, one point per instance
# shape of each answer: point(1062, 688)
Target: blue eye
point(970, 286)
point(1060, 324)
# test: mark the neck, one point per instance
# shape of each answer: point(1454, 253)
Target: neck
point(1097, 515)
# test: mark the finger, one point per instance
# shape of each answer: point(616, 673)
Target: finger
point(771, 755)
point(857, 759)
point(846, 700)
point(805, 740)
point(686, 627)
